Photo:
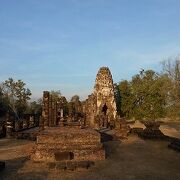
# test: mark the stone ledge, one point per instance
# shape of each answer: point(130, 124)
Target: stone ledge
point(70, 165)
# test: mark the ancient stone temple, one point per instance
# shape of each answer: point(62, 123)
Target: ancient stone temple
point(75, 141)
point(52, 111)
point(104, 91)
point(100, 107)
point(68, 145)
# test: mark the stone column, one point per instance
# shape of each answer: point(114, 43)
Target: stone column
point(45, 113)
point(25, 124)
point(58, 113)
point(60, 117)
point(55, 114)
point(9, 126)
point(41, 123)
point(50, 109)
point(31, 121)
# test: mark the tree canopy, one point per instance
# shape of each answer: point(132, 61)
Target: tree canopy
point(171, 69)
point(15, 96)
point(143, 97)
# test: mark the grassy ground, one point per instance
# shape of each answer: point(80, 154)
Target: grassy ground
point(132, 158)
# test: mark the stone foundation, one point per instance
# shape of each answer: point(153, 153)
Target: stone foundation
point(152, 131)
point(58, 144)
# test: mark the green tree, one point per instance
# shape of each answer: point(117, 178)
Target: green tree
point(35, 107)
point(16, 95)
point(148, 95)
point(75, 105)
point(75, 98)
point(61, 100)
point(117, 98)
point(126, 100)
point(3, 104)
point(56, 95)
point(171, 69)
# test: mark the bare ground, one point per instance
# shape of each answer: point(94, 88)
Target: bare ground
point(132, 158)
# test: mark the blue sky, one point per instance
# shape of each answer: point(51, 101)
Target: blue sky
point(60, 44)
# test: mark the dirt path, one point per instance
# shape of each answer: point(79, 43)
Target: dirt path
point(133, 158)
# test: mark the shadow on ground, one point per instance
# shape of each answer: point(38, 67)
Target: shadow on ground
point(13, 171)
point(106, 137)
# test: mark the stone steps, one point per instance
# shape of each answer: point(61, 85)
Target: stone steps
point(69, 147)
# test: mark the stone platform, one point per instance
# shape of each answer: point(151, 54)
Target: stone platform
point(64, 144)
point(29, 134)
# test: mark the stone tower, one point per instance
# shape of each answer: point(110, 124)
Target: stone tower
point(104, 91)
point(100, 107)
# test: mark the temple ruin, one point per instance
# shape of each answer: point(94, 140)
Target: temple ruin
point(99, 110)
point(100, 107)
point(52, 111)
point(69, 146)
point(73, 139)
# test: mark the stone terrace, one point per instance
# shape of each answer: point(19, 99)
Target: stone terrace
point(56, 144)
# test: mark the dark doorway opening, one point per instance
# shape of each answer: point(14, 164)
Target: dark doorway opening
point(60, 156)
point(104, 109)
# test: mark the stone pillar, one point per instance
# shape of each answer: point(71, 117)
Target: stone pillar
point(50, 109)
point(9, 126)
point(31, 121)
point(60, 117)
point(45, 113)
point(41, 123)
point(61, 113)
point(52, 112)
point(55, 114)
point(25, 124)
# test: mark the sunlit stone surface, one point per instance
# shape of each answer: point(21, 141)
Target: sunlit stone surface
point(68, 144)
